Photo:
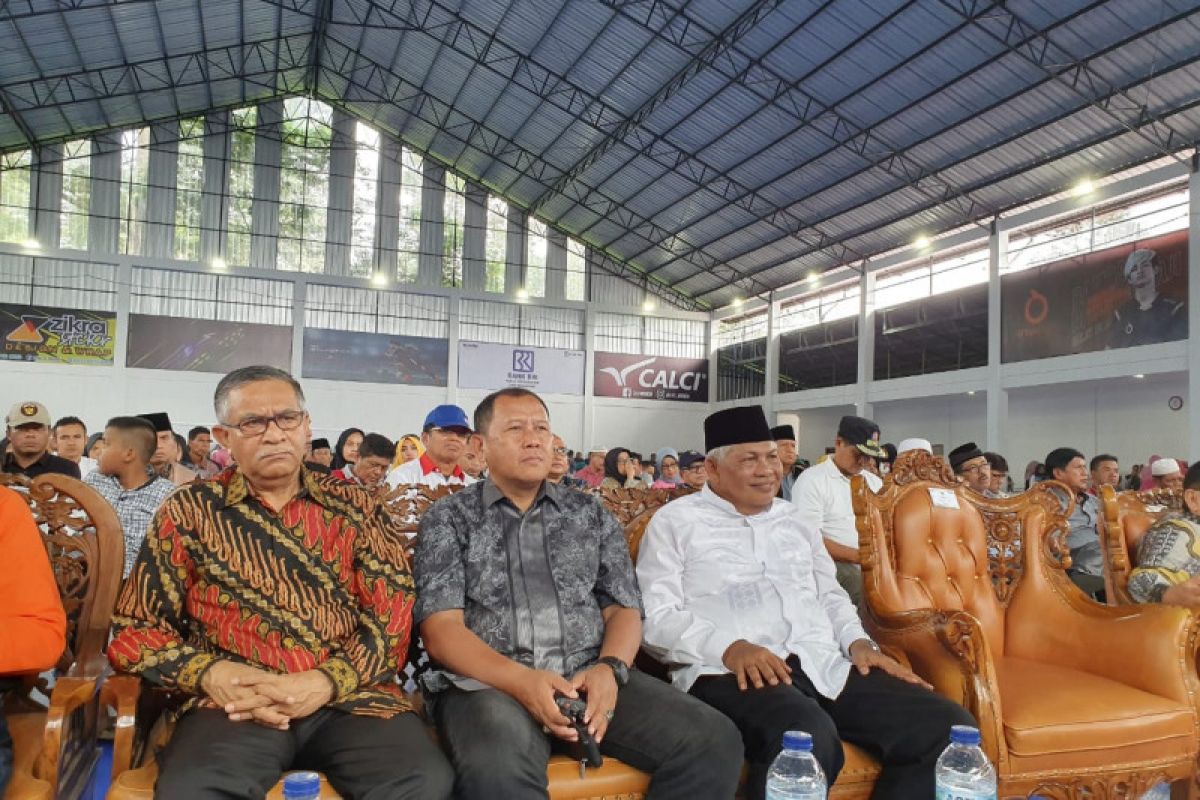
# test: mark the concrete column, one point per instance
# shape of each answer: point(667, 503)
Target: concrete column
point(264, 214)
point(556, 265)
point(162, 175)
point(1193, 354)
point(104, 213)
point(475, 238)
point(339, 215)
point(771, 389)
point(997, 395)
point(387, 207)
point(514, 273)
point(46, 186)
point(433, 200)
point(213, 203)
point(866, 342)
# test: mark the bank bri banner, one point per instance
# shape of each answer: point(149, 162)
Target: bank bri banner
point(545, 370)
point(651, 377)
point(57, 335)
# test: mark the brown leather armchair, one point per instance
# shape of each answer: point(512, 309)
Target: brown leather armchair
point(54, 746)
point(1127, 517)
point(142, 729)
point(977, 597)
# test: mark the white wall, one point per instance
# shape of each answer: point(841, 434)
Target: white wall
point(818, 427)
point(948, 420)
point(646, 425)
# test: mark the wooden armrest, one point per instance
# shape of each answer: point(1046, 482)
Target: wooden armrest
point(69, 694)
point(121, 693)
point(950, 651)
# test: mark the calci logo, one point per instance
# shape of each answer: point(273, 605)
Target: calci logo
point(656, 378)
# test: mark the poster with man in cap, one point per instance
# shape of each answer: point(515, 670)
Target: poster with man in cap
point(1147, 317)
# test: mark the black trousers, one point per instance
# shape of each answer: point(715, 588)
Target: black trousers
point(905, 726)
point(500, 753)
point(364, 758)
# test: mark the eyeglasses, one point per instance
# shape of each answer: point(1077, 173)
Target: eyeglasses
point(560, 451)
point(257, 426)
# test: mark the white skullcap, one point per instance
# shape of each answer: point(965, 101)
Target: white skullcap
point(1136, 259)
point(914, 444)
point(1164, 466)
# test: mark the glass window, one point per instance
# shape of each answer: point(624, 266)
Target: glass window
point(576, 288)
point(241, 185)
point(189, 188)
point(454, 210)
point(304, 184)
point(409, 246)
point(828, 305)
point(496, 245)
point(76, 194)
point(135, 167)
point(366, 185)
point(535, 264)
point(15, 171)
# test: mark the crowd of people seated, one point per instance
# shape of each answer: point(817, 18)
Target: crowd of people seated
point(265, 584)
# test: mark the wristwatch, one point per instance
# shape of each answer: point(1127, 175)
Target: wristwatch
point(620, 669)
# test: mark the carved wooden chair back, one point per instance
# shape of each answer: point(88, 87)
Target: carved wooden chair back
point(1127, 517)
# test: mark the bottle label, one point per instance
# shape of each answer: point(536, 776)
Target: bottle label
point(946, 793)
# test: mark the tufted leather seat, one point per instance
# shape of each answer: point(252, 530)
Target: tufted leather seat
point(974, 592)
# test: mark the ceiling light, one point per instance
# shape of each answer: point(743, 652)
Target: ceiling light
point(522, 293)
point(971, 393)
point(218, 263)
point(814, 276)
point(31, 244)
point(921, 242)
point(1084, 187)
point(1138, 377)
point(648, 306)
point(737, 301)
point(379, 279)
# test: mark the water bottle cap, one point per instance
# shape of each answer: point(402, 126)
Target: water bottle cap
point(301, 784)
point(798, 740)
point(964, 734)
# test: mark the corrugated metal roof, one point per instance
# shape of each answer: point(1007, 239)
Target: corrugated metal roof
point(766, 137)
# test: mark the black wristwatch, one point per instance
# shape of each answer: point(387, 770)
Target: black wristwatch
point(620, 669)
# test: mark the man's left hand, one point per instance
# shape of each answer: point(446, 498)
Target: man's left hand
point(296, 695)
point(599, 685)
point(865, 657)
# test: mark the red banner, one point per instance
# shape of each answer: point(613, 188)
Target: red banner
point(651, 377)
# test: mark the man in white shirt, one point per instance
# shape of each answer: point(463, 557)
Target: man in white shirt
point(741, 599)
point(69, 439)
point(822, 496)
point(444, 435)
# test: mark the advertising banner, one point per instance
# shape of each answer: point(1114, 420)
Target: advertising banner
point(544, 370)
point(375, 357)
point(57, 335)
point(205, 345)
point(651, 377)
point(1122, 296)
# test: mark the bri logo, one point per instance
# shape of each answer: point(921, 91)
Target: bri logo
point(522, 361)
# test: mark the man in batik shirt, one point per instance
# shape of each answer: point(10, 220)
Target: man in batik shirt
point(1168, 557)
point(281, 602)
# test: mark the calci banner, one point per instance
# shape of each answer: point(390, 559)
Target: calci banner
point(651, 377)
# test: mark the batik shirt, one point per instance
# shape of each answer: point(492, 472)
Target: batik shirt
point(1168, 554)
point(464, 560)
point(323, 584)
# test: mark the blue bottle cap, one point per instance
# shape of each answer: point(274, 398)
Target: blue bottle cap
point(964, 734)
point(798, 740)
point(301, 784)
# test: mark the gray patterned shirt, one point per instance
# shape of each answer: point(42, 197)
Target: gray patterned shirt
point(135, 507)
point(464, 560)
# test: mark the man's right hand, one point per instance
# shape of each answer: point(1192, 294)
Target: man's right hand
point(535, 690)
point(755, 666)
point(1185, 594)
point(221, 682)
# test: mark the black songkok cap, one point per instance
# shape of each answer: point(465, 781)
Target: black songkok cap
point(781, 432)
point(321, 444)
point(159, 420)
point(863, 434)
point(736, 426)
point(962, 454)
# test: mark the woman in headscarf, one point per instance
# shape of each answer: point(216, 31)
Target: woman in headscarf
point(346, 451)
point(408, 449)
point(616, 462)
point(668, 468)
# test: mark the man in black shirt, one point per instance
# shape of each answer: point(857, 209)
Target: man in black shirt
point(29, 437)
point(1147, 317)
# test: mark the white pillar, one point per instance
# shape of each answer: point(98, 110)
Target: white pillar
point(162, 175)
point(433, 211)
point(264, 213)
point(104, 211)
point(452, 336)
point(866, 342)
point(339, 213)
point(299, 295)
point(997, 395)
point(589, 377)
point(1193, 352)
point(771, 373)
point(213, 197)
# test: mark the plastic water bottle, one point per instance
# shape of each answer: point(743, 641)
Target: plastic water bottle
point(795, 773)
point(963, 770)
point(1159, 791)
point(302, 786)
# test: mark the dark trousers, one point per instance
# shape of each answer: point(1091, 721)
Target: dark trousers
point(6, 751)
point(905, 726)
point(499, 751)
point(364, 758)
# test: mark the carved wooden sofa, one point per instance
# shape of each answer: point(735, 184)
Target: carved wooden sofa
point(1127, 517)
point(977, 597)
point(54, 745)
point(141, 730)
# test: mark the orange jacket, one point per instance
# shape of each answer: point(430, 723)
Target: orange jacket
point(32, 623)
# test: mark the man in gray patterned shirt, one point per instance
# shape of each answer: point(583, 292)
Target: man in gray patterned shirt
point(524, 591)
point(123, 478)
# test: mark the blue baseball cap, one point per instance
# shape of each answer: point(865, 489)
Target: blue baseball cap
point(449, 417)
